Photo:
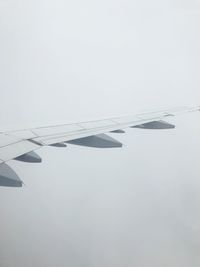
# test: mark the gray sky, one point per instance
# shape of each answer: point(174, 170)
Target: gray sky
point(81, 60)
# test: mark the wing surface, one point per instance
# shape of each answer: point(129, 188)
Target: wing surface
point(17, 143)
point(21, 144)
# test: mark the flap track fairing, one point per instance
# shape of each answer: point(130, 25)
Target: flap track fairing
point(155, 125)
point(98, 141)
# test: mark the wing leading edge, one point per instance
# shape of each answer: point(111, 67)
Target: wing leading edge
point(21, 144)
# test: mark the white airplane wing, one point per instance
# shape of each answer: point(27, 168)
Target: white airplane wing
point(21, 144)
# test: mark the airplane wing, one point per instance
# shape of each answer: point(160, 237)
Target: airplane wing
point(22, 144)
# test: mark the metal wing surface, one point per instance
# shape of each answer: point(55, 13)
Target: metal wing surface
point(21, 144)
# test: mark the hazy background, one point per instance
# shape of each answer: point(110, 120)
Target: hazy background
point(80, 60)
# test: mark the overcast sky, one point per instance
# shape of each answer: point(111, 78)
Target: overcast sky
point(80, 60)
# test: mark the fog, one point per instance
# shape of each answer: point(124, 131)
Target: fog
point(81, 60)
